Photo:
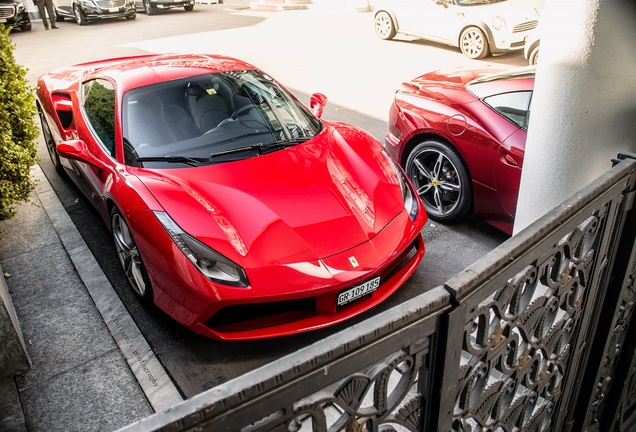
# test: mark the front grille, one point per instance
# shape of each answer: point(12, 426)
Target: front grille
point(267, 314)
point(105, 4)
point(7, 12)
point(251, 316)
point(526, 26)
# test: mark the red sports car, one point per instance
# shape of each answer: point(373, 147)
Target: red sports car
point(233, 207)
point(460, 135)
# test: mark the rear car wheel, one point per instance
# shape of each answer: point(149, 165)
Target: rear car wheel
point(131, 17)
point(441, 179)
point(50, 142)
point(129, 257)
point(384, 26)
point(148, 9)
point(189, 8)
point(473, 43)
point(80, 16)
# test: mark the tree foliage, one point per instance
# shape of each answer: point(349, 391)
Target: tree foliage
point(18, 131)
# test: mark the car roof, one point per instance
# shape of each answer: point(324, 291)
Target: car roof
point(138, 71)
point(517, 79)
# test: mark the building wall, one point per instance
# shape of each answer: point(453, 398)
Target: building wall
point(584, 104)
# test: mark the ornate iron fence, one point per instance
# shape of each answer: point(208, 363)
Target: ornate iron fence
point(537, 336)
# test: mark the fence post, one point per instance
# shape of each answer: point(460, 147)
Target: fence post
point(608, 399)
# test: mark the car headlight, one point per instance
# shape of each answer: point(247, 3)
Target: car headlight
point(210, 263)
point(411, 204)
point(498, 23)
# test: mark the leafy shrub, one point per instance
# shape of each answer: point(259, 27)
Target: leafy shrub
point(18, 130)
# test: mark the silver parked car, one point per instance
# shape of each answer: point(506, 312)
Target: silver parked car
point(477, 27)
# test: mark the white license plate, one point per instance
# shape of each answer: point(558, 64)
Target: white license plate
point(113, 9)
point(358, 291)
point(3, 20)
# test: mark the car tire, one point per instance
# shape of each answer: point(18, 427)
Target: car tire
point(26, 27)
point(80, 16)
point(189, 8)
point(384, 26)
point(441, 179)
point(49, 142)
point(129, 258)
point(533, 58)
point(58, 17)
point(131, 17)
point(473, 43)
point(148, 9)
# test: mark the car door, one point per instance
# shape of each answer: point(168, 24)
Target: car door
point(98, 103)
point(426, 18)
point(515, 106)
point(64, 6)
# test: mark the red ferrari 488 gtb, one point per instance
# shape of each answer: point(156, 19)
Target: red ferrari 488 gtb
point(233, 207)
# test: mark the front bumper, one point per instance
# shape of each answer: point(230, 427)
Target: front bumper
point(94, 12)
point(11, 16)
point(502, 41)
point(162, 4)
point(285, 298)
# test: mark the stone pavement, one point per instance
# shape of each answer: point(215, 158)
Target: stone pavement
point(92, 370)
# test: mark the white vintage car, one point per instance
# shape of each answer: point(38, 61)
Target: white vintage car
point(477, 27)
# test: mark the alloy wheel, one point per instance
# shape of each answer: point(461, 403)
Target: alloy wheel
point(437, 181)
point(49, 141)
point(384, 27)
point(79, 15)
point(474, 44)
point(129, 256)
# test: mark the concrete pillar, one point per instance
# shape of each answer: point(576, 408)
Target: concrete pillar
point(584, 103)
point(13, 355)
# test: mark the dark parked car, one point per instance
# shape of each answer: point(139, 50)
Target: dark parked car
point(85, 11)
point(13, 13)
point(150, 7)
point(460, 136)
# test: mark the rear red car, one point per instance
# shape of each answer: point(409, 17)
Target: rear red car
point(460, 136)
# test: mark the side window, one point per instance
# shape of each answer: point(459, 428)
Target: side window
point(99, 106)
point(514, 106)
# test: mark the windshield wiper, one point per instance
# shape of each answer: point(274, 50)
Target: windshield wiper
point(259, 148)
point(293, 141)
point(174, 159)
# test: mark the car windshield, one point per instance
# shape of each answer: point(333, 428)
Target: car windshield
point(211, 118)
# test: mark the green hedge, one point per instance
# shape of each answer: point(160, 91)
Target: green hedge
point(18, 131)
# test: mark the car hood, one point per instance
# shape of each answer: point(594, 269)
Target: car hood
point(513, 14)
point(303, 203)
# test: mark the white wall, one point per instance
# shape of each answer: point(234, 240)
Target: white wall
point(584, 104)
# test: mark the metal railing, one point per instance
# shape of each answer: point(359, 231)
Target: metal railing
point(537, 335)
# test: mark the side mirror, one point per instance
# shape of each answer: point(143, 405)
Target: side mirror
point(77, 150)
point(317, 104)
